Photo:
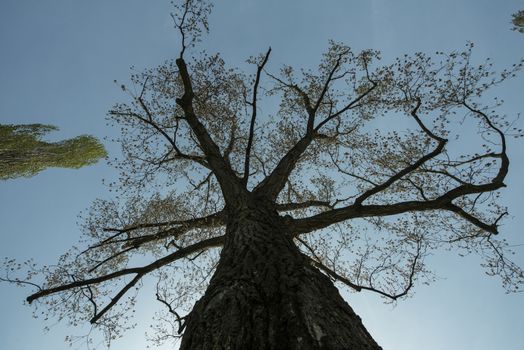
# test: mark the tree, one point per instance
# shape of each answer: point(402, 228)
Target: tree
point(518, 21)
point(24, 153)
point(287, 200)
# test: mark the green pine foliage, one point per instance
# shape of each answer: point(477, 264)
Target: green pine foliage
point(23, 153)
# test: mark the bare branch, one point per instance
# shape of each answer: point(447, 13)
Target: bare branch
point(325, 87)
point(260, 68)
point(305, 98)
point(19, 281)
point(273, 184)
point(218, 216)
point(180, 320)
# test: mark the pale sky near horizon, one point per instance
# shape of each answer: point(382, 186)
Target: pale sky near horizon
point(58, 60)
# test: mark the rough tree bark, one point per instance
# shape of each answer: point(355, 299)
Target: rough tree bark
point(265, 295)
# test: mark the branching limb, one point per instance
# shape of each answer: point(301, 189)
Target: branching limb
point(442, 202)
point(117, 297)
point(325, 88)
point(228, 180)
point(441, 142)
point(90, 297)
point(327, 218)
point(351, 104)
point(112, 257)
point(214, 218)
point(139, 272)
point(180, 320)
point(273, 184)
point(176, 226)
point(503, 170)
point(316, 261)
point(178, 154)
point(335, 162)
point(306, 101)
point(445, 173)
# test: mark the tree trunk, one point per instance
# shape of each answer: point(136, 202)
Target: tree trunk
point(265, 295)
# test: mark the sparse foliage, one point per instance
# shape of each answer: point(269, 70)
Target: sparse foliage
point(370, 167)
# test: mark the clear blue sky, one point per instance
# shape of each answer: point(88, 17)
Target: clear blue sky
point(58, 60)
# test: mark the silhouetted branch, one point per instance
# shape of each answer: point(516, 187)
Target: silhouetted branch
point(440, 146)
point(260, 68)
point(180, 320)
point(137, 271)
point(228, 180)
point(412, 271)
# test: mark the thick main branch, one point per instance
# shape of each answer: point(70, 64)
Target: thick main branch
point(230, 184)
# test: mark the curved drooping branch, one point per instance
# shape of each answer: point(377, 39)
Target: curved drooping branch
point(181, 320)
point(412, 270)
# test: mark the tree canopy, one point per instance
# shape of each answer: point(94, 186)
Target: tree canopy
point(518, 21)
point(23, 153)
point(371, 166)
